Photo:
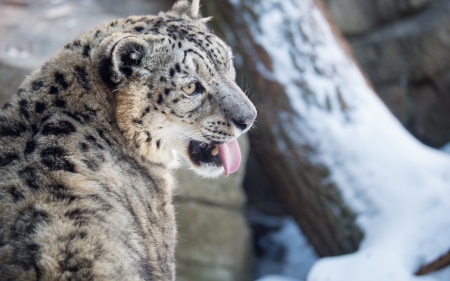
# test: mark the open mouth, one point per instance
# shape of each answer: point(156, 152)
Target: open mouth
point(227, 155)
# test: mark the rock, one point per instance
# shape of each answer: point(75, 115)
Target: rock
point(414, 48)
point(403, 47)
point(356, 17)
point(214, 243)
point(408, 62)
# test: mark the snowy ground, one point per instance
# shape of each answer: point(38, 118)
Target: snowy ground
point(284, 252)
point(446, 148)
point(276, 278)
point(399, 187)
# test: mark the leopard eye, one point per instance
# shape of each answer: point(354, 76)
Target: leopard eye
point(190, 89)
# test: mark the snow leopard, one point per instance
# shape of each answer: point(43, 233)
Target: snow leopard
point(89, 142)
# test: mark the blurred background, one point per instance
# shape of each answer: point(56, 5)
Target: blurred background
point(240, 228)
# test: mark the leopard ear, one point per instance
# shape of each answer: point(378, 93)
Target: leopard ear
point(195, 9)
point(184, 8)
point(121, 59)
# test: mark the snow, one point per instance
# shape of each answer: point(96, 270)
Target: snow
point(446, 148)
point(286, 251)
point(276, 278)
point(399, 187)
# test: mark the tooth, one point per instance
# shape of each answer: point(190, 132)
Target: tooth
point(215, 151)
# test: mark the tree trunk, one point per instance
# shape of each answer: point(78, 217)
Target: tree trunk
point(286, 155)
point(440, 263)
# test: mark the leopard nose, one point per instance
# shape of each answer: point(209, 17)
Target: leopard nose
point(243, 124)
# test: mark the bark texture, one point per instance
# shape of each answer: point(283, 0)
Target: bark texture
point(304, 186)
point(440, 263)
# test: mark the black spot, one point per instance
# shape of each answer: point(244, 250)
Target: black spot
point(177, 67)
point(7, 159)
point(30, 147)
point(160, 99)
point(57, 129)
point(77, 43)
point(163, 79)
point(82, 77)
point(61, 193)
point(60, 103)
point(147, 109)
point(58, 187)
point(97, 33)
point(149, 95)
point(6, 105)
point(53, 90)
point(175, 100)
point(180, 45)
point(46, 117)
point(80, 216)
point(16, 194)
point(137, 121)
point(40, 107)
point(29, 175)
point(25, 255)
point(103, 136)
point(149, 137)
point(80, 268)
point(23, 104)
point(61, 80)
point(77, 235)
point(167, 92)
point(139, 28)
point(158, 143)
point(54, 158)
point(84, 147)
point(37, 85)
point(172, 72)
point(90, 110)
point(12, 131)
point(74, 116)
point(28, 220)
point(79, 117)
point(86, 50)
point(21, 91)
point(91, 165)
point(90, 138)
point(34, 129)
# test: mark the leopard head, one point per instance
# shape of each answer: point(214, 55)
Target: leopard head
point(175, 93)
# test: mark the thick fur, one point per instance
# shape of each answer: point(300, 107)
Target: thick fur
point(87, 143)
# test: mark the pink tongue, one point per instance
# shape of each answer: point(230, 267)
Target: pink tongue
point(230, 154)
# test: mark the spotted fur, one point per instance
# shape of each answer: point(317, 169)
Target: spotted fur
point(88, 142)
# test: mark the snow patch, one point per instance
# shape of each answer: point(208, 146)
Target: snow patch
point(287, 252)
point(446, 148)
point(276, 278)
